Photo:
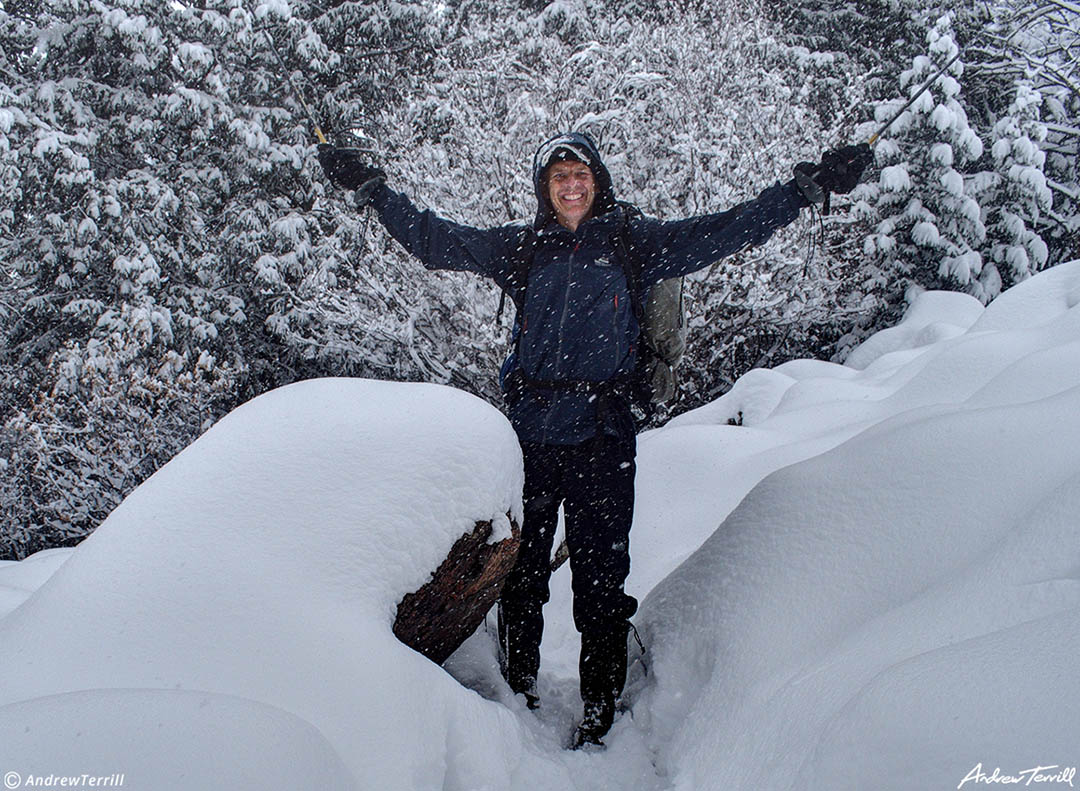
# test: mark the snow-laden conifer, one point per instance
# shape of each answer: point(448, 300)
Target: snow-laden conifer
point(928, 226)
point(1021, 195)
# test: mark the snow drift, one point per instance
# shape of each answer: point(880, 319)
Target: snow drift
point(265, 563)
point(895, 610)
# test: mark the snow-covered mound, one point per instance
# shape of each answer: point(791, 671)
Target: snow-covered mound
point(265, 562)
point(19, 579)
point(165, 740)
point(893, 611)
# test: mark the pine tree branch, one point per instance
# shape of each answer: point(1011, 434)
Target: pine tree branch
point(17, 77)
point(1073, 195)
point(1068, 131)
point(1065, 4)
point(375, 53)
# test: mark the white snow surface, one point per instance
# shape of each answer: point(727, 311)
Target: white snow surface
point(265, 562)
point(871, 581)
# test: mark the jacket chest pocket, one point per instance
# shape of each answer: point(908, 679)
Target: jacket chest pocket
point(605, 321)
point(579, 320)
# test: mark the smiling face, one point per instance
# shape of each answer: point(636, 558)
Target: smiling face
point(571, 190)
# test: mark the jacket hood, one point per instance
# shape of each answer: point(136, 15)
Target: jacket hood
point(572, 145)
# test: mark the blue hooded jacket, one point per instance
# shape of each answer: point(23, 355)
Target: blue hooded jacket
point(577, 319)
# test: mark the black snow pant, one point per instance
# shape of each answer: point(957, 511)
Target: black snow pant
point(594, 482)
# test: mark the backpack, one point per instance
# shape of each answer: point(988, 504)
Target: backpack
point(661, 317)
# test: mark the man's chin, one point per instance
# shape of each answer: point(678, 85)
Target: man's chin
point(576, 217)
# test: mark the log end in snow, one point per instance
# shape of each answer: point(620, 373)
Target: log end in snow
point(436, 619)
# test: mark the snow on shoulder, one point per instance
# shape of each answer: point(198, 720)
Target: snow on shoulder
point(265, 563)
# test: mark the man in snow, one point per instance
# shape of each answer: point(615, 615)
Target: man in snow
point(568, 380)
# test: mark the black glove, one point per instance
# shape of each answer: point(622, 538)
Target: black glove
point(348, 168)
point(838, 172)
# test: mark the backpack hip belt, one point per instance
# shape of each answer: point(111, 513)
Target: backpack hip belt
point(601, 393)
point(520, 381)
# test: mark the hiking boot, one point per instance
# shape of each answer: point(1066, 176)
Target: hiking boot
point(532, 697)
point(594, 725)
point(519, 653)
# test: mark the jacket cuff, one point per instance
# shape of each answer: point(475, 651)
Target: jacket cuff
point(797, 195)
point(379, 196)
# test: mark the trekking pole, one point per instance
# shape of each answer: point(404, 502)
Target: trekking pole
point(926, 86)
point(296, 92)
point(877, 135)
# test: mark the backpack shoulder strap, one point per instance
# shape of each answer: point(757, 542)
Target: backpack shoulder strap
point(631, 263)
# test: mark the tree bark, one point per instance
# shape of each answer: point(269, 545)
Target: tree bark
point(436, 619)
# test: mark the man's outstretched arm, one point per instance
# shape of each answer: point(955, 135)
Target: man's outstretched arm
point(676, 248)
point(438, 243)
point(442, 244)
point(679, 247)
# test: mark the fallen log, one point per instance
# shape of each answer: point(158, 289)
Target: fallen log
point(438, 617)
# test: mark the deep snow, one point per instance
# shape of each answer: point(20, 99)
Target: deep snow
point(872, 582)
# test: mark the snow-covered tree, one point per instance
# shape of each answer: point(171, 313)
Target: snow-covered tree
point(876, 33)
point(1020, 193)
point(1049, 48)
point(161, 251)
point(1036, 48)
point(928, 227)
